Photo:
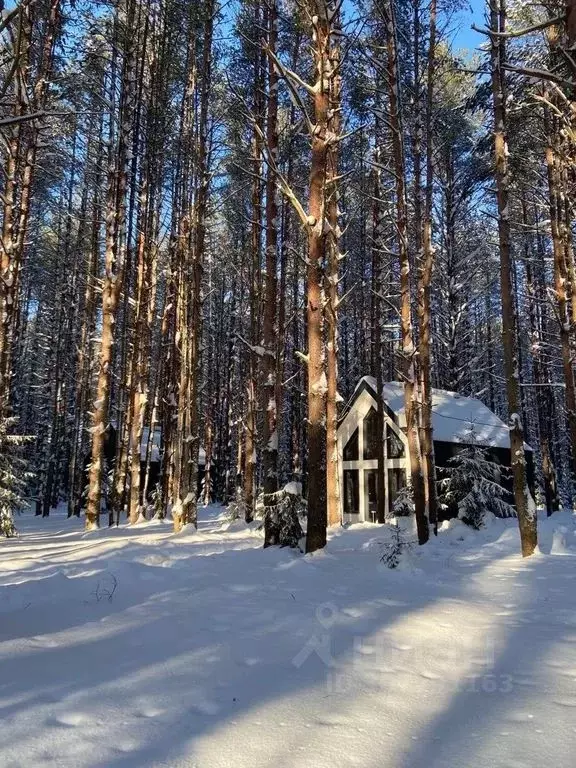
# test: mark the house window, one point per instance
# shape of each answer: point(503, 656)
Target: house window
point(372, 440)
point(396, 481)
point(395, 446)
point(351, 448)
point(351, 492)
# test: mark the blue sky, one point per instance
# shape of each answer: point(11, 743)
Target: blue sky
point(466, 37)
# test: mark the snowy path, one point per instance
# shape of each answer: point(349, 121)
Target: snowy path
point(141, 648)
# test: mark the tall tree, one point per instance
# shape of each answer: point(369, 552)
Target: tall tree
point(322, 197)
point(524, 508)
point(270, 385)
point(407, 350)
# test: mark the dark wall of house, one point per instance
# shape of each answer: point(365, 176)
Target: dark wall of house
point(446, 451)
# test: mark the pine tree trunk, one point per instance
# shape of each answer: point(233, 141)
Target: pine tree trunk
point(270, 385)
point(543, 391)
point(176, 321)
point(526, 515)
point(114, 265)
point(378, 278)
point(408, 362)
point(315, 295)
point(561, 283)
point(424, 290)
point(186, 507)
point(333, 259)
point(251, 429)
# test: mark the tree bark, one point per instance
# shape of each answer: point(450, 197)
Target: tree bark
point(315, 296)
point(333, 260)
point(424, 291)
point(526, 514)
point(561, 288)
point(271, 391)
point(408, 352)
point(114, 259)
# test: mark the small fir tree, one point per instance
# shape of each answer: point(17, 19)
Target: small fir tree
point(473, 484)
point(236, 510)
point(403, 505)
point(285, 508)
point(393, 550)
point(292, 508)
point(13, 476)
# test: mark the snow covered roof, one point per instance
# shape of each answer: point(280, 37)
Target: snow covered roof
point(454, 416)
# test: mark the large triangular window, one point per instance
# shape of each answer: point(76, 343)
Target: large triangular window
point(372, 440)
point(395, 446)
point(351, 447)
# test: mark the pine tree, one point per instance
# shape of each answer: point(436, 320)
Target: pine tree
point(403, 505)
point(473, 485)
point(175, 252)
point(14, 476)
point(526, 517)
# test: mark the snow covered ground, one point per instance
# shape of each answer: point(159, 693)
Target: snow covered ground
point(136, 647)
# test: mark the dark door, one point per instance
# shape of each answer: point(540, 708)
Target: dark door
point(371, 497)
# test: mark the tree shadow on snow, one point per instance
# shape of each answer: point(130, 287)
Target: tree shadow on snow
point(230, 632)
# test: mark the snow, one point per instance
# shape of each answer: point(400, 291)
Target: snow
point(452, 415)
point(136, 647)
point(293, 488)
point(320, 386)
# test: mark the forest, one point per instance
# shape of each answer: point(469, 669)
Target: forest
point(287, 390)
point(217, 217)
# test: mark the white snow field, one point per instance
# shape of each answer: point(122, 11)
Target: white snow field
point(136, 647)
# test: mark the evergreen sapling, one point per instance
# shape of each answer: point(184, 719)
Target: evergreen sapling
point(13, 476)
point(473, 484)
point(403, 505)
point(285, 508)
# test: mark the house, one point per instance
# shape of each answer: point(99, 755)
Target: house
point(150, 462)
point(456, 421)
point(154, 447)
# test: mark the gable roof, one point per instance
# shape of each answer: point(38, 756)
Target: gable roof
point(453, 415)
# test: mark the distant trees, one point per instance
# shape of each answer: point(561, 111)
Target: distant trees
point(27, 76)
point(14, 476)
